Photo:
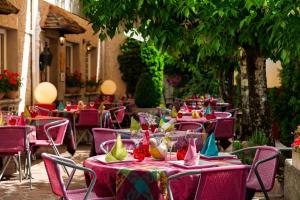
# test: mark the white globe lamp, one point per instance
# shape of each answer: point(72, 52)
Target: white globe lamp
point(45, 93)
point(108, 87)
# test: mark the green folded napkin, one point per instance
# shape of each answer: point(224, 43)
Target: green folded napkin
point(134, 125)
point(26, 113)
point(118, 151)
point(174, 112)
point(168, 126)
point(210, 148)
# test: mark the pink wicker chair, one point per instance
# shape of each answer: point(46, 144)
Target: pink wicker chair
point(217, 183)
point(55, 132)
point(224, 128)
point(184, 126)
point(261, 177)
point(58, 187)
point(101, 135)
point(13, 142)
point(117, 114)
point(88, 119)
point(107, 145)
point(43, 111)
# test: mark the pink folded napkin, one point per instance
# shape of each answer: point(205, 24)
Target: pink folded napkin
point(21, 121)
point(191, 157)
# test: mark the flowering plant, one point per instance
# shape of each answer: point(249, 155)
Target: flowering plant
point(92, 82)
point(74, 80)
point(9, 81)
point(296, 143)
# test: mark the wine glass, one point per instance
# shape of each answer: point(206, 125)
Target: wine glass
point(170, 144)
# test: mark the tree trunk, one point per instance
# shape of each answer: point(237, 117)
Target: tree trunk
point(245, 128)
point(258, 104)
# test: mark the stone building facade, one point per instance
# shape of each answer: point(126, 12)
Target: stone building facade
point(24, 39)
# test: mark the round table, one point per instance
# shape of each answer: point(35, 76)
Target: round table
point(188, 118)
point(141, 180)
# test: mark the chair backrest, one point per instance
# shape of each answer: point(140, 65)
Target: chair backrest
point(107, 145)
point(224, 128)
point(13, 139)
point(184, 126)
point(43, 111)
point(55, 178)
point(57, 130)
point(224, 183)
point(119, 114)
point(267, 170)
point(89, 117)
point(101, 135)
point(223, 114)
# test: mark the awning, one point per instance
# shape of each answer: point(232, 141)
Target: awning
point(7, 8)
point(58, 19)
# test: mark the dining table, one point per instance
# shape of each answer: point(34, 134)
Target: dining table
point(202, 119)
point(147, 179)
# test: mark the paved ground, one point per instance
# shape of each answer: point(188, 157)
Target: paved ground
point(12, 189)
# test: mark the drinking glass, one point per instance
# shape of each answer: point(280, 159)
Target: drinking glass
point(68, 106)
point(170, 144)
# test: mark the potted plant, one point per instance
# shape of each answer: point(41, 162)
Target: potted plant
point(12, 82)
point(92, 85)
point(73, 82)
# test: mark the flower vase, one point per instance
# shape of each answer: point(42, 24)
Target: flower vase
point(296, 159)
point(2, 95)
point(12, 94)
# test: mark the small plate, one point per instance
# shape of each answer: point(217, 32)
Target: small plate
point(101, 158)
point(201, 164)
point(221, 155)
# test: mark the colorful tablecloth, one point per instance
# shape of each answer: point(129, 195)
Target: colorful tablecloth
point(144, 180)
point(139, 180)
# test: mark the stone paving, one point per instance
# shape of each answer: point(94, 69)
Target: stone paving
point(12, 189)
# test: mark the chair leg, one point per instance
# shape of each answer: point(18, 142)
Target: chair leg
point(20, 167)
point(119, 125)
point(4, 167)
point(80, 138)
point(29, 167)
point(58, 154)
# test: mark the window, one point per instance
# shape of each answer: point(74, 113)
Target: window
point(73, 6)
point(69, 57)
point(2, 49)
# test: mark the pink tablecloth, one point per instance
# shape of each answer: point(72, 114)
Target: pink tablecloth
point(188, 118)
point(141, 180)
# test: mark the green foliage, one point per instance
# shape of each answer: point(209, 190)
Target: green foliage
point(131, 64)
point(145, 94)
point(74, 80)
point(236, 145)
point(258, 138)
point(150, 86)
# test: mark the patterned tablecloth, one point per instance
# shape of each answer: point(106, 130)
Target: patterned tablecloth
point(141, 180)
